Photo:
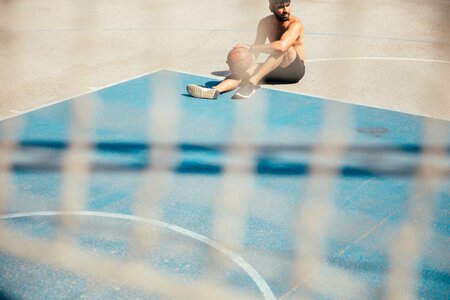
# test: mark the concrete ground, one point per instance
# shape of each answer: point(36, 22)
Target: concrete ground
point(392, 55)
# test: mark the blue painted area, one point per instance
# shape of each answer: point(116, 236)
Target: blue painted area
point(31, 191)
point(358, 258)
point(370, 195)
point(188, 262)
point(199, 219)
point(267, 236)
point(22, 279)
point(241, 282)
point(44, 282)
point(383, 127)
point(374, 196)
point(198, 159)
point(127, 118)
point(292, 120)
point(44, 125)
point(116, 249)
point(112, 192)
point(441, 222)
point(34, 227)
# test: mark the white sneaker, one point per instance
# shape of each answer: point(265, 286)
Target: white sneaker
point(202, 92)
point(246, 90)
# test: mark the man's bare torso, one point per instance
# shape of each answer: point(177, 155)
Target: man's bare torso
point(274, 30)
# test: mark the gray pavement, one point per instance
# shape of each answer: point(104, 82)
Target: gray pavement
point(388, 54)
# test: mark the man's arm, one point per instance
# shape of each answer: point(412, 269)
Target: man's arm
point(284, 43)
point(260, 39)
point(261, 36)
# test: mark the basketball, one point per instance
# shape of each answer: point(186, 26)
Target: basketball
point(239, 59)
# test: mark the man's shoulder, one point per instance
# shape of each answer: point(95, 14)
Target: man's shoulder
point(296, 23)
point(295, 20)
point(266, 20)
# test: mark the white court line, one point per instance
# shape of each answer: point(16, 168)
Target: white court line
point(82, 94)
point(148, 29)
point(377, 58)
point(244, 265)
point(320, 97)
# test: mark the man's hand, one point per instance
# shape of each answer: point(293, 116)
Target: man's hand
point(247, 47)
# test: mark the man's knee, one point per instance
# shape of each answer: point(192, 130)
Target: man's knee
point(289, 56)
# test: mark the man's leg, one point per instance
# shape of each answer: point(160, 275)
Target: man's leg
point(272, 62)
point(228, 84)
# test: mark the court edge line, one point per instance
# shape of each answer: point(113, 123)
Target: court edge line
point(82, 94)
point(216, 77)
point(140, 29)
point(377, 58)
point(340, 100)
point(372, 37)
point(242, 263)
point(352, 102)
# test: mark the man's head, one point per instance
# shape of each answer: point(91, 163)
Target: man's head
point(281, 9)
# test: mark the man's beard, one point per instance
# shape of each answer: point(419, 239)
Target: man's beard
point(283, 17)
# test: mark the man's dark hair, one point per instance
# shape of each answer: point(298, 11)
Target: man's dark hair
point(279, 1)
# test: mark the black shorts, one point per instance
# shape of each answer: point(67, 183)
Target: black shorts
point(290, 74)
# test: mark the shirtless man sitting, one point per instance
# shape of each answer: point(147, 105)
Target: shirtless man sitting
point(285, 61)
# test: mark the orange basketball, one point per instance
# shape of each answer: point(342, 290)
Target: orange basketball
point(239, 59)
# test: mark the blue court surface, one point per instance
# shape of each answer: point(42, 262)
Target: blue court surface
point(138, 191)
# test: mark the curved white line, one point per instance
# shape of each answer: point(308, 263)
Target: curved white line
point(378, 58)
point(256, 277)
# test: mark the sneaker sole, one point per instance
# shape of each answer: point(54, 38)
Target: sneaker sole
point(239, 96)
point(199, 92)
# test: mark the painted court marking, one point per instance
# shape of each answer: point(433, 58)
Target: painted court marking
point(378, 58)
point(244, 265)
point(323, 282)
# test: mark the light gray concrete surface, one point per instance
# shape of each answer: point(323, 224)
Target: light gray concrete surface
point(388, 54)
